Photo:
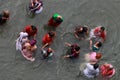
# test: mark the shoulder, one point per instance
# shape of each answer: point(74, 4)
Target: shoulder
point(27, 27)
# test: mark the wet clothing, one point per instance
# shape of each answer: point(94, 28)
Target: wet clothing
point(29, 30)
point(23, 37)
point(27, 54)
point(95, 49)
point(73, 52)
point(37, 7)
point(90, 72)
point(80, 33)
point(105, 72)
point(47, 54)
point(98, 33)
point(93, 56)
point(2, 21)
point(55, 21)
point(47, 39)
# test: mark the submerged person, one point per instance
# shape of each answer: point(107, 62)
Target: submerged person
point(96, 47)
point(93, 57)
point(31, 30)
point(4, 16)
point(107, 70)
point(47, 53)
point(98, 32)
point(91, 70)
point(48, 38)
point(74, 51)
point(80, 32)
point(23, 37)
point(28, 48)
point(36, 6)
point(55, 20)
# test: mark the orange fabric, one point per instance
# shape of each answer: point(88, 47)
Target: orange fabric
point(29, 31)
point(51, 22)
point(47, 39)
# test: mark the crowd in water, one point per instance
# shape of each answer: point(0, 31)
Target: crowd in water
point(26, 42)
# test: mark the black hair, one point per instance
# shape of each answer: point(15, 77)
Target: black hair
point(51, 34)
point(6, 14)
point(99, 44)
point(85, 29)
point(59, 20)
point(102, 28)
point(33, 27)
point(95, 66)
point(77, 48)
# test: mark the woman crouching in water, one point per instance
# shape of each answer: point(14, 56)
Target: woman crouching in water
point(4, 16)
point(47, 53)
point(28, 48)
point(74, 51)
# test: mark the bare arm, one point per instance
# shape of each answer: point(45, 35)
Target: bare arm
point(76, 35)
point(44, 46)
point(68, 44)
point(90, 44)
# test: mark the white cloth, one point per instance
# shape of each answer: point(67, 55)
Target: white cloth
point(39, 11)
point(92, 35)
point(21, 39)
point(90, 72)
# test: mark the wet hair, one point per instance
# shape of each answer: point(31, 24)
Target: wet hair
point(33, 27)
point(77, 48)
point(49, 50)
point(59, 20)
point(85, 29)
point(98, 55)
point(102, 28)
point(6, 13)
point(95, 66)
point(51, 34)
point(99, 44)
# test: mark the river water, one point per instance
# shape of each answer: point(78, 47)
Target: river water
point(75, 12)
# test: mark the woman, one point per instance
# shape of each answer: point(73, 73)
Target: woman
point(96, 47)
point(36, 6)
point(31, 30)
point(93, 57)
point(107, 70)
point(80, 32)
point(47, 53)
point(91, 70)
point(98, 32)
point(55, 20)
point(48, 38)
point(23, 37)
point(74, 51)
point(28, 48)
point(4, 16)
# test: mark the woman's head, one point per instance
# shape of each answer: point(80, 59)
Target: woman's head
point(77, 48)
point(85, 29)
point(33, 28)
point(49, 50)
point(51, 34)
point(95, 65)
point(102, 28)
point(99, 44)
point(98, 55)
point(6, 13)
